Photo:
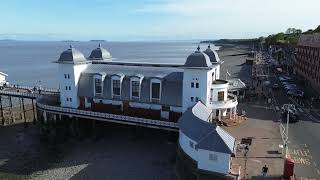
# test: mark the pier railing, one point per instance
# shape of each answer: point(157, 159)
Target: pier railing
point(52, 90)
point(108, 117)
point(19, 94)
point(24, 94)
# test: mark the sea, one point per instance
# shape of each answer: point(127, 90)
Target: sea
point(31, 63)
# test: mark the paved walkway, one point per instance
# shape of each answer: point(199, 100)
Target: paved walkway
point(261, 126)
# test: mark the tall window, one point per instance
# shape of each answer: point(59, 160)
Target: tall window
point(221, 96)
point(116, 88)
point(98, 86)
point(135, 89)
point(155, 92)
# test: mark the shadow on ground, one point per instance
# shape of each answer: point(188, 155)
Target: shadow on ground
point(120, 152)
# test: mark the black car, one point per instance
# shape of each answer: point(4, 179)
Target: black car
point(275, 86)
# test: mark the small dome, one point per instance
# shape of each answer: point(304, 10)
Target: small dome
point(198, 59)
point(72, 55)
point(100, 54)
point(213, 55)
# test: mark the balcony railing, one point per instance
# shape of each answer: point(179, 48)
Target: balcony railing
point(230, 99)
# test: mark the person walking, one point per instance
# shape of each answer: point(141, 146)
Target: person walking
point(264, 170)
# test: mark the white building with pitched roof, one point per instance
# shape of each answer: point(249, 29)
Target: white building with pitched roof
point(167, 90)
point(191, 93)
point(3, 77)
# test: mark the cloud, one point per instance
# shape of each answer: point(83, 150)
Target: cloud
point(231, 18)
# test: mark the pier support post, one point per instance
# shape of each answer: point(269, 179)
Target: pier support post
point(33, 111)
point(93, 126)
point(11, 111)
point(1, 109)
point(20, 108)
point(24, 113)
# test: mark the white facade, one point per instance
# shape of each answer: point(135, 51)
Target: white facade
point(3, 78)
point(206, 160)
point(69, 75)
point(196, 86)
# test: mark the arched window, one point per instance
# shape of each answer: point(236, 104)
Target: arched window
point(98, 84)
point(155, 90)
point(135, 87)
point(116, 84)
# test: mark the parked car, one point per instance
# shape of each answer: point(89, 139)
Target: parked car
point(290, 85)
point(290, 88)
point(275, 86)
point(285, 82)
point(282, 79)
point(296, 93)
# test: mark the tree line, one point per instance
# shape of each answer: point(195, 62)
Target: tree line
point(290, 36)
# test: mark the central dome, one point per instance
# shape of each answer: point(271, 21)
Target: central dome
point(198, 59)
point(100, 54)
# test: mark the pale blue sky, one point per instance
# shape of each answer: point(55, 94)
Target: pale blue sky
point(153, 19)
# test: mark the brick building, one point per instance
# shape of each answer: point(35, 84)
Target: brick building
point(307, 62)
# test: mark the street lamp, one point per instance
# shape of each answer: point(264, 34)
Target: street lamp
point(288, 108)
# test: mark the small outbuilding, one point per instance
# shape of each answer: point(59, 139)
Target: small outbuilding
point(237, 87)
point(3, 78)
point(208, 145)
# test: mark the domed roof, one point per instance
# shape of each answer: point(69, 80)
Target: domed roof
point(213, 55)
point(198, 59)
point(72, 55)
point(100, 54)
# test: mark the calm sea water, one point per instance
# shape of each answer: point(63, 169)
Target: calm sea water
point(27, 63)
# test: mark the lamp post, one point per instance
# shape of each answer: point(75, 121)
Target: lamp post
point(288, 108)
point(246, 150)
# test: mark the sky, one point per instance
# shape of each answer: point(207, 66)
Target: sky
point(130, 20)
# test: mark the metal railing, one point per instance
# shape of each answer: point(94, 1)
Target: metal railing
point(52, 90)
point(106, 116)
point(23, 94)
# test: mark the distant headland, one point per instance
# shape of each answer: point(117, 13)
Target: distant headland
point(98, 40)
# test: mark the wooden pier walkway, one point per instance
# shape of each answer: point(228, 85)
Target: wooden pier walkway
point(22, 93)
point(25, 93)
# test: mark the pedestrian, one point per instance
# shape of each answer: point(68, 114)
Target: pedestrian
point(246, 150)
point(264, 170)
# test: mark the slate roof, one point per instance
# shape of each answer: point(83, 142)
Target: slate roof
point(171, 88)
point(194, 124)
point(100, 54)
point(4, 74)
point(236, 84)
point(72, 56)
point(198, 59)
point(213, 55)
